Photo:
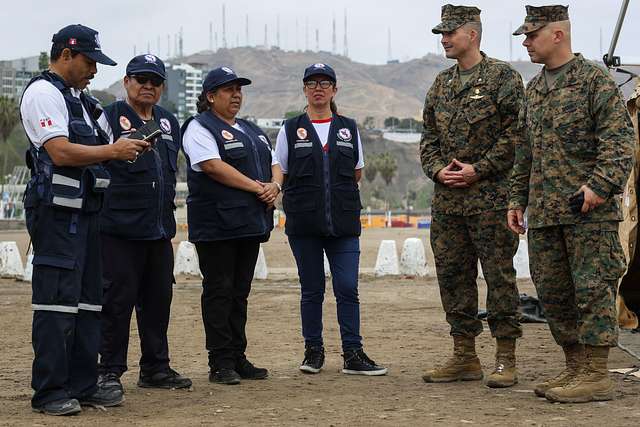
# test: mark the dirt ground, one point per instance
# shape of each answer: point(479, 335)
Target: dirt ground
point(403, 327)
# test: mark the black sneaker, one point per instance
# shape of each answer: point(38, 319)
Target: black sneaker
point(167, 379)
point(356, 362)
point(224, 376)
point(110, 381)
point(247, 371)
point(103, 397)
point(313, 360)
point(59, 407)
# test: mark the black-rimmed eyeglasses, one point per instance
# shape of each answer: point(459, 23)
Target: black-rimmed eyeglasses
point(312, 84)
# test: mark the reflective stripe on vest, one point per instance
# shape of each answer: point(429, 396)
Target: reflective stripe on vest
point(67, 203)
point(89, 307)
point(57, 308)
point(64, 180)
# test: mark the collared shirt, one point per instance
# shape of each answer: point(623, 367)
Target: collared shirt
point(45, 115)
point(322, 129)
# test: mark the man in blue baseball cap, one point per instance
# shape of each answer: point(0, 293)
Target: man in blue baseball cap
point(62, 202)
point(137, 224)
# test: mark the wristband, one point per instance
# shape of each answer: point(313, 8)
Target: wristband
point(278, 185)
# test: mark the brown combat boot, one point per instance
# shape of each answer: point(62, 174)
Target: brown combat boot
point(464, 365)
point(574, 359)
point(505, 373)
point(592, 382)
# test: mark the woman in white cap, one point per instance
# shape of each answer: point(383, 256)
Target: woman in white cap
point(229, 212)
point(320, 155)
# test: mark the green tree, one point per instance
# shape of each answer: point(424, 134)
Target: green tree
point(43, 61)
point(9, 116)
point(371, 168)
point(291, 114)
point(391, 122)
point(368, 123)
point(387, 166)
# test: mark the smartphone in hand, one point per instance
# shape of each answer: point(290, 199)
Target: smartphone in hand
point(575, 202)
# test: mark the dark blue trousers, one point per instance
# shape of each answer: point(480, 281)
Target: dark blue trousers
point(66, 299)
point(343, 254)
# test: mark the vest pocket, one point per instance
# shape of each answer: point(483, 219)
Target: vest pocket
point(130, 196)
point(301, 201)
point(172, 154)
point(232, 214)
point(82, 133)
point(304, 161)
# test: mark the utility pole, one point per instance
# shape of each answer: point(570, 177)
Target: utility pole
point(317, 40)
point(346, 46)
point(334, 47)
point(224, 27)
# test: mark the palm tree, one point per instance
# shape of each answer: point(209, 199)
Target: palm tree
point(9, 117)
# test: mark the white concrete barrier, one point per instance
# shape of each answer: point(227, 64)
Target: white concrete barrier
point(186, 262)
point(413, 261)
point(261, 271)
point(327, 269)
point(28, 269)
point(10, 261)
point(387, 261)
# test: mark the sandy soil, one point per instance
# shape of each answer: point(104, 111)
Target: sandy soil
point(403, 328)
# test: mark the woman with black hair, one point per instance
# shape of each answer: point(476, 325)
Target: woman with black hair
point(233, 182)
point(320, 155)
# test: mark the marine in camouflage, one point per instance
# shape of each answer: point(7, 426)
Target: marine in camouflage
point(475, 123)
point(578, 133)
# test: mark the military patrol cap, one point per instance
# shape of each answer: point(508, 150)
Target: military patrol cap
point(454, 17)
point(84, 40)
point(539, 16)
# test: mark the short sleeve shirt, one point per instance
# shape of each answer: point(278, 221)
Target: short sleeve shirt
point(201, 146)
point(44, 113)
point(322, 129)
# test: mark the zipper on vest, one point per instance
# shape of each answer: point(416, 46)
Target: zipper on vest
point(158, 159)
point(326, 170)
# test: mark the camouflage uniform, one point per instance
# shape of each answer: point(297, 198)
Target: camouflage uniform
point(578, 132)
point(474, 123)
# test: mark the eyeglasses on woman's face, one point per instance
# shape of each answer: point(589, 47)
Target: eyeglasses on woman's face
point(312, 84)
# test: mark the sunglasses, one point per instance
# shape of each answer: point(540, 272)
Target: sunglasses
point(144, 79)
point(312, 84)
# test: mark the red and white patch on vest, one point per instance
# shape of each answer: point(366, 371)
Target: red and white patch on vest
point(227, 135)
point(165, 125)
point(344, 134)
point(302, 133)
point(125, 124)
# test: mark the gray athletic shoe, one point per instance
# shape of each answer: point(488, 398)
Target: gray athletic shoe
point(59, 407)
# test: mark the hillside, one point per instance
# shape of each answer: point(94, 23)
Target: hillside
point(379, 91)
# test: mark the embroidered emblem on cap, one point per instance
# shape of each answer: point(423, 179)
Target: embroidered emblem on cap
point(302, 133)
point(125, 124)
point(263, 139)
point(344, 134)
point(150, 59)
point(227, 70)
point(73, 42)
point(319, 65)
point(97, 42)
point(227, 135)
point(165, 125)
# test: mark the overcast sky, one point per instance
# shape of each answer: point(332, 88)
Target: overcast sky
point(27, 26)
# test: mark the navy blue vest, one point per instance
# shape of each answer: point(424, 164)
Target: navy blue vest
point(77, 189)
point(216, 211)
point(139, 203)
point(321, 196)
